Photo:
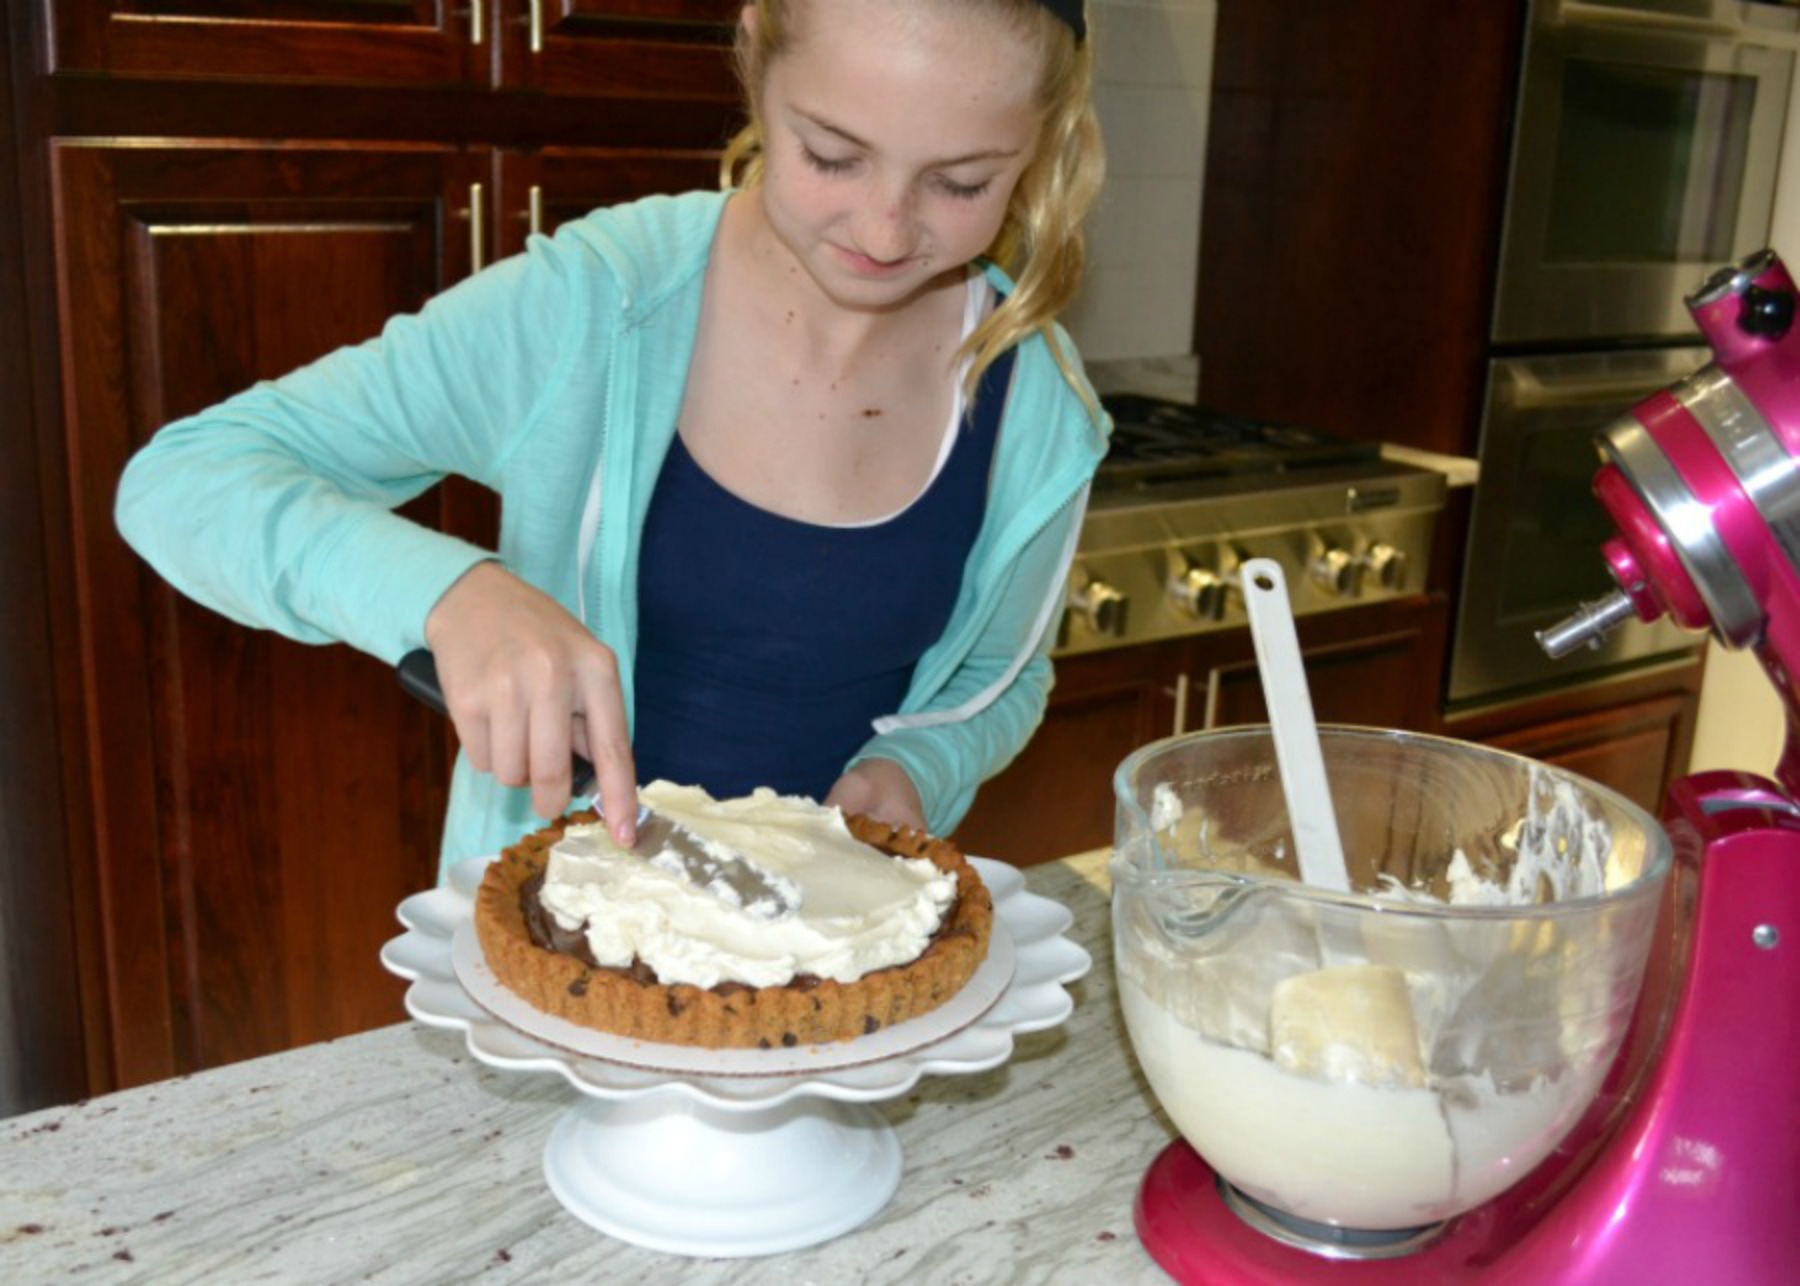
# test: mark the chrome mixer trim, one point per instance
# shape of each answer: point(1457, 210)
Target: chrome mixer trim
point(1767, 474)
point(1716, 576)
point(1328, 1241)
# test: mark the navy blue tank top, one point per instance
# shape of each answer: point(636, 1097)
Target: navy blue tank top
point(766, 645)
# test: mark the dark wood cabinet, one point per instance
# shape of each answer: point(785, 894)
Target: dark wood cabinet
point(1056, 797)
point(1375, 665)
point(536, 190)
point(350, 41)
point(1355, 166)
point(213, 192)
point(668, 48)
point(1634, 734)
point(243, 784)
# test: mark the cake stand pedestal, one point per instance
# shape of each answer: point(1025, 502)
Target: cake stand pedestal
point(722, 1153)
point(755, 1182)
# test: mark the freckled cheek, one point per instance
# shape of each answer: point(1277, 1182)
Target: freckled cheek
point(809, 190)
point(977, 223)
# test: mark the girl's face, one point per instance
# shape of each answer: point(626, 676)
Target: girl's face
point(893, 137)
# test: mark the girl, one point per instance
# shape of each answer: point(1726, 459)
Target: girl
point(791, 473)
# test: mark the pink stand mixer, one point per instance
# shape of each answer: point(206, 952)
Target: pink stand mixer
point(1686, 1167)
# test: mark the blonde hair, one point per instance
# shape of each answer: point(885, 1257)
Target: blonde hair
point(1040, 243)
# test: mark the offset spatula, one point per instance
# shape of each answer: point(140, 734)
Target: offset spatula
point(660, 841)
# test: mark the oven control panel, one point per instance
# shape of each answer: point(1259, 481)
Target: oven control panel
point(1165, 568)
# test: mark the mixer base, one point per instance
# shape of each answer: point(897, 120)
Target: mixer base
point(1199, 1229)
point(1327, 1239)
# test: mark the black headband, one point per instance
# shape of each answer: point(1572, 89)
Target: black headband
point(1070, 11)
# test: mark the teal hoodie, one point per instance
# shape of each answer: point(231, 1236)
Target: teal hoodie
point(555, 378)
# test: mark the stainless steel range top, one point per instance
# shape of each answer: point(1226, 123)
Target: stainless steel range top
point(1186, 495)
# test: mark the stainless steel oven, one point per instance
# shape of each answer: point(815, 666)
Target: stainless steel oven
point(1535, 528)
point(1644, 155)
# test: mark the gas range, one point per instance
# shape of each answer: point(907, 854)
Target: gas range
point(1186, 495)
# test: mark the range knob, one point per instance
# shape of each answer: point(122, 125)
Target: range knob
point(1385, 564)
point(1102, 606)
point(1200, 592)
point(1334, 571)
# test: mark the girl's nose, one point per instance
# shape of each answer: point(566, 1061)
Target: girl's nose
point(889, 232)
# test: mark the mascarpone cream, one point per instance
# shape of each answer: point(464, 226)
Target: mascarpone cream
point(860, 909)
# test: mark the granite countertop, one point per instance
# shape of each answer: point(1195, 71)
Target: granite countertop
point(394, 1156)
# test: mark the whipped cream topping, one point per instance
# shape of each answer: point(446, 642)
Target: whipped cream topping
point(859, 909)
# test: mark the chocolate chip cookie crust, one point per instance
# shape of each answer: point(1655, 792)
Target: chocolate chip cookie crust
point(732, 1016)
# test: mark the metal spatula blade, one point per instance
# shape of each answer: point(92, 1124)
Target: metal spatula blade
point(735, 880)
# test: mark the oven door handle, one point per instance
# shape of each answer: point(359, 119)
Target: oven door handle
point(1579, 13)
point(1608, 382)
point(1528, 393)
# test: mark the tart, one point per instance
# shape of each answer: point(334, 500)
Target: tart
point(531, 958)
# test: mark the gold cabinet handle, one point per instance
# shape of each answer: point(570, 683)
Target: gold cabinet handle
point(477, 228)
point(477, 21)
point(534, 210)
point(537, 26)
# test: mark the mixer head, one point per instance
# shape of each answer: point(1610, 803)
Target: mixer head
point(1702, 482)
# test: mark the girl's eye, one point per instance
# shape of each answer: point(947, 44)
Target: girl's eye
point(963, 191)
point(825, 164)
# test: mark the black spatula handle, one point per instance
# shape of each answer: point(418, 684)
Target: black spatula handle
point(418, 674)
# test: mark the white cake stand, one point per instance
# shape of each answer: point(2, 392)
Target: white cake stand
point(733, 1152)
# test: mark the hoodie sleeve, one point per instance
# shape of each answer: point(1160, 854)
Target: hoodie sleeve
point(964, 737)
point(275, 508)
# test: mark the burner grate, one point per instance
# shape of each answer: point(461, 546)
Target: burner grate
point(1154, 438)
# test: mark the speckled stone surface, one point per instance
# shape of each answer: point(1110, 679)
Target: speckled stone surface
point(396, 1157)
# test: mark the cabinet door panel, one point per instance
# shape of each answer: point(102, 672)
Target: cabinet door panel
point(389, 42)
point(539, 191)
point(258, 806)
point(1636, 749)
point(1379, 681)
point(1056, 797)
point(659, 48)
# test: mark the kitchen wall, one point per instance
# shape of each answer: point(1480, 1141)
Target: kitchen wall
point(1134, 321)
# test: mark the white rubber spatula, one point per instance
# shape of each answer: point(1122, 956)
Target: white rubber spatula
point(1351, 1020)
point(1310, 813)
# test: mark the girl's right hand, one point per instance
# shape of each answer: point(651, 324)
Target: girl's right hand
point(527, 686)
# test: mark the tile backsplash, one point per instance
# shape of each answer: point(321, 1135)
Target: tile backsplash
point(1134, 319)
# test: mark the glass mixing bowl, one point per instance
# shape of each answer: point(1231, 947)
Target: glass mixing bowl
point(1386, 1058)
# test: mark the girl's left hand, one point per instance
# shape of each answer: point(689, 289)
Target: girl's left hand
point(879, 788)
